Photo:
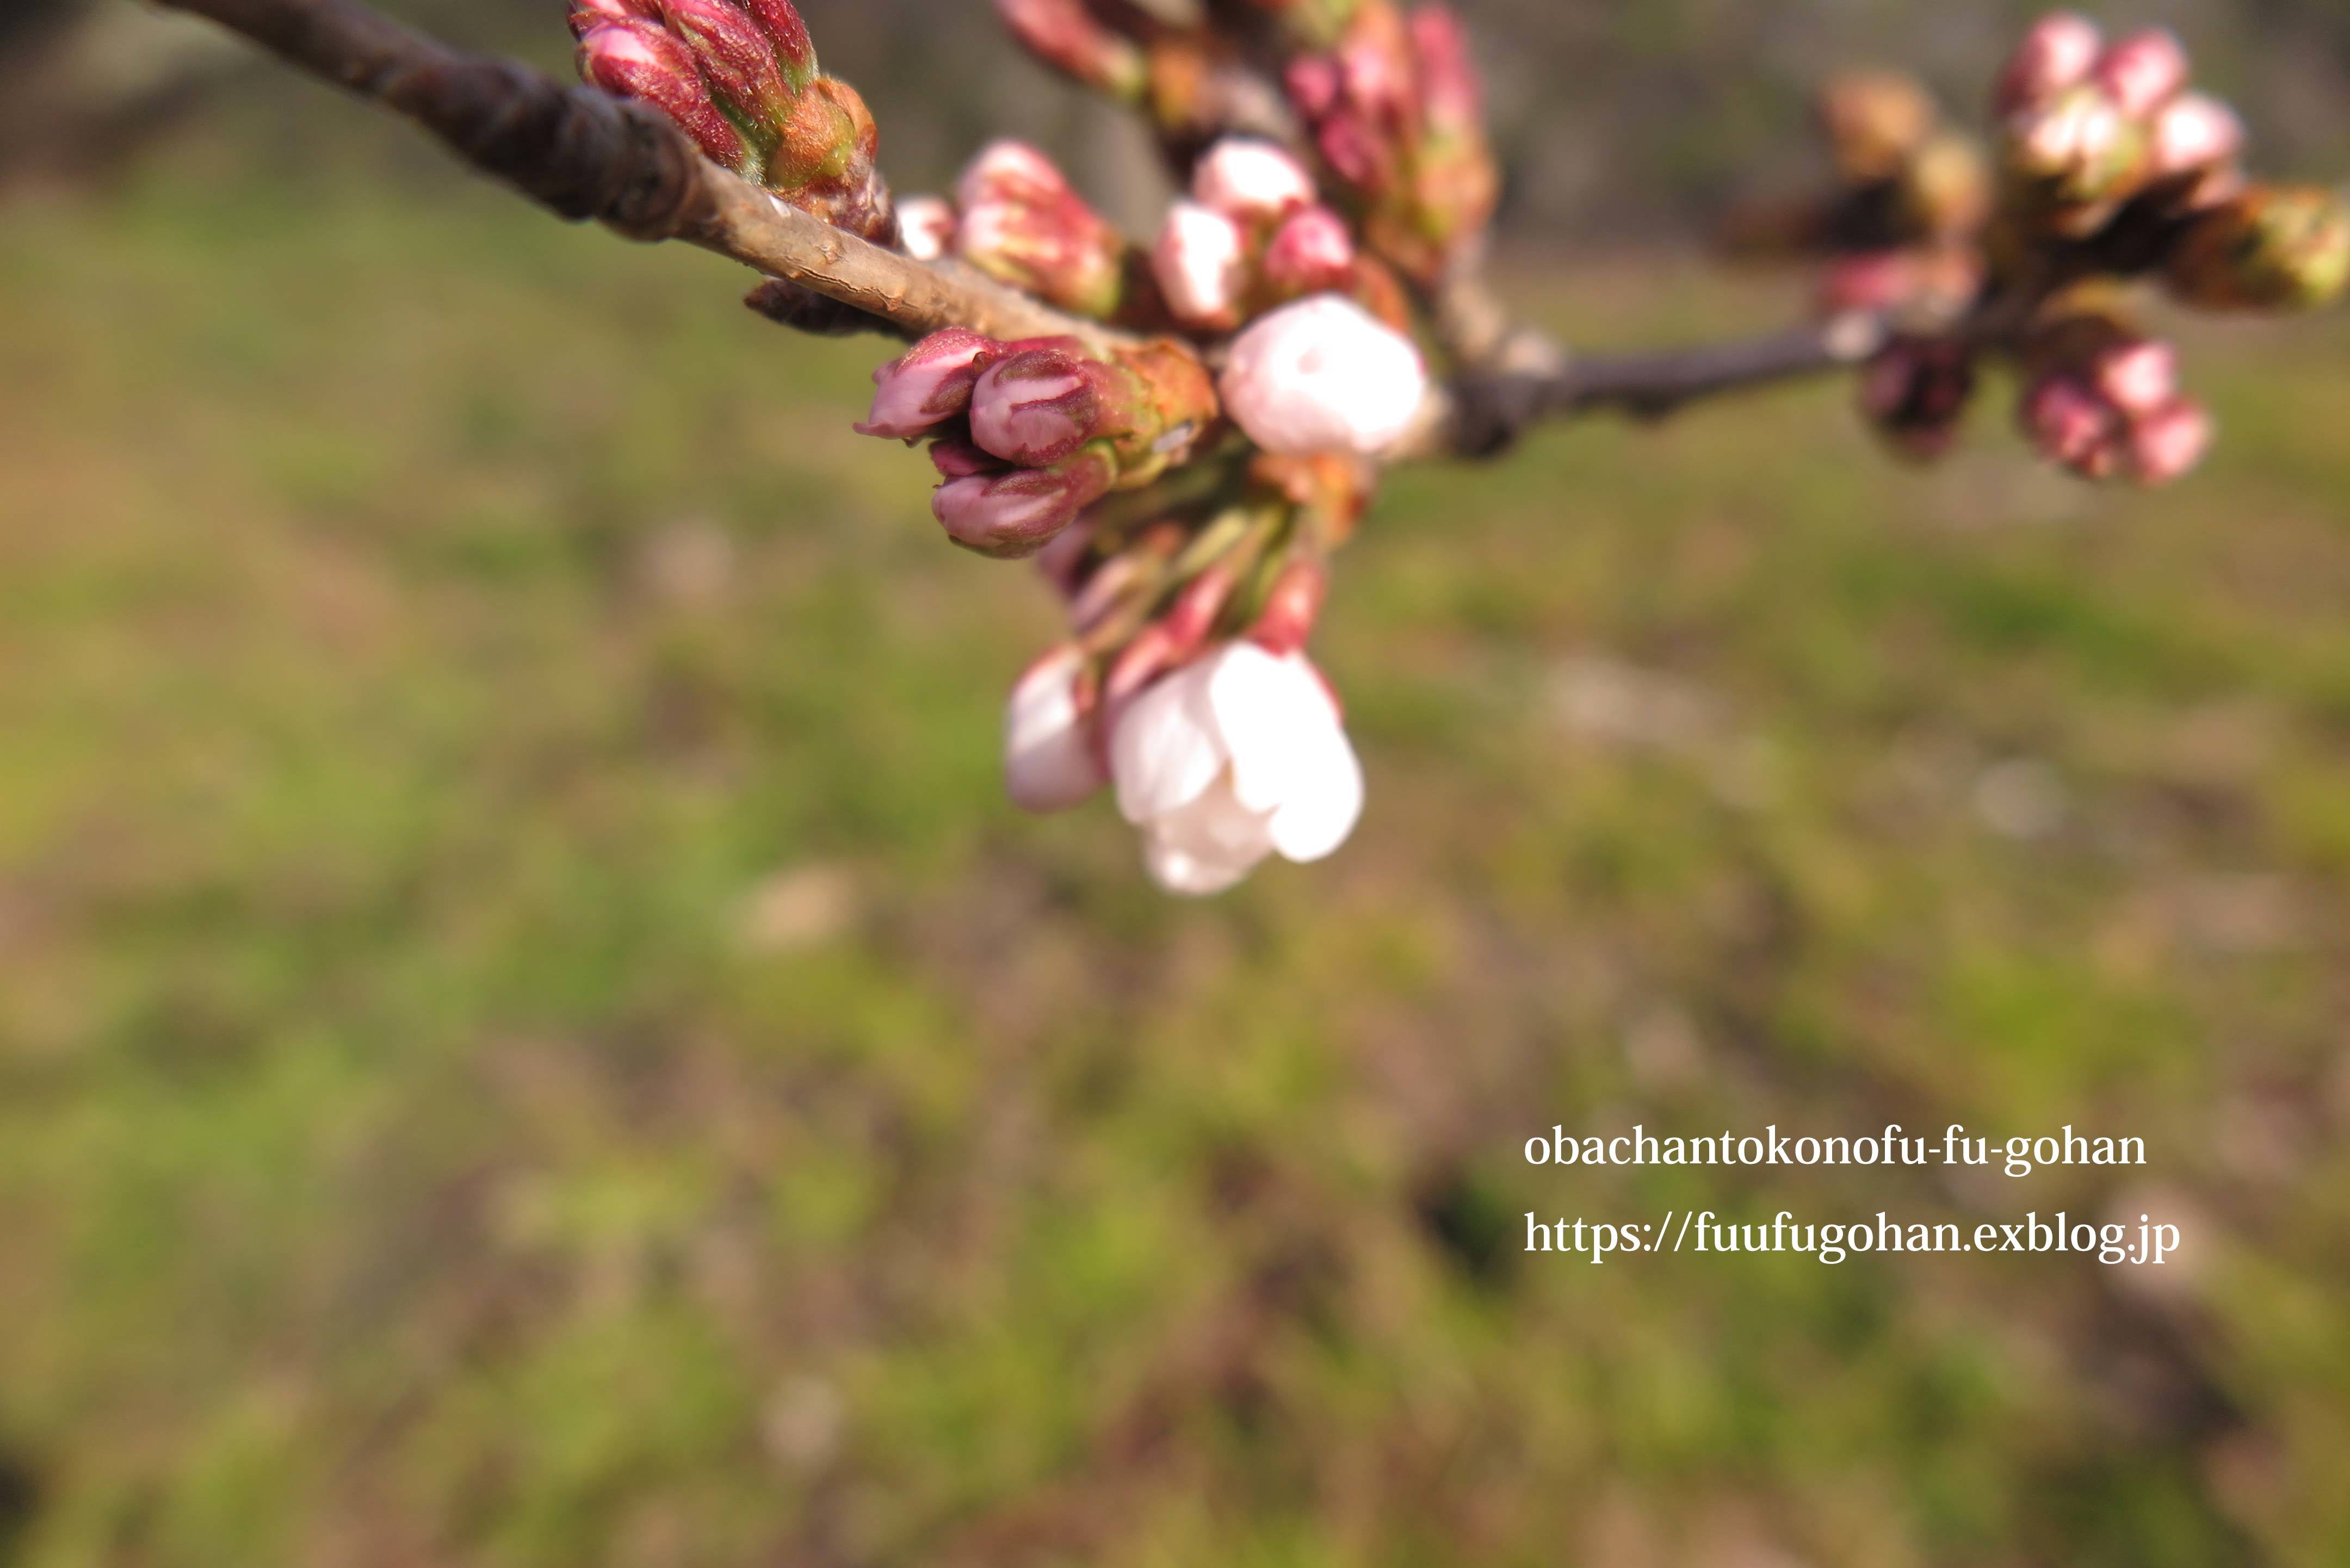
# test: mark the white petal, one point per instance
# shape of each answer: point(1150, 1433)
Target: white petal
point(1251, 179)
point(1324, 375)
point(1320, 815)
point(1180, 872)
point(1198, 261)
point(1164, 756)
point(1269, 712)
point(1048, 759)
point(1217, 827)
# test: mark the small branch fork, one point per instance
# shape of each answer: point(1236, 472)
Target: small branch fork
point(586, 155)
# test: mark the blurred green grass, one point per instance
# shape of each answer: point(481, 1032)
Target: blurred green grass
point(529, 1034)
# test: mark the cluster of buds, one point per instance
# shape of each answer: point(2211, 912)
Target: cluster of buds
point(740, 77)
point(1254, 236)
point(1900, 230)
point(1398, 113)
point(1026, 435)
point(2114, 165)
point(1016, 218)
point(2112, 170)
point(2105, 402)
point(1392, 103)
point(1186, 684)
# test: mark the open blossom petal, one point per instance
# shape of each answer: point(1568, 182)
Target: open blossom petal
point(1249, 178)
point(1049, 762)
point(1233, 759)
point(1271, 715)
point(1321, 814)
point(1165, 753)
point(1324, 375)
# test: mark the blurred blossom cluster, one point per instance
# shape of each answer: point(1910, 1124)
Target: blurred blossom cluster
point(2106, 172)
point(1182, 461)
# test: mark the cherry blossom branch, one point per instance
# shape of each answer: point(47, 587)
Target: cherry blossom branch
point(1490, 411)
point(587, 155)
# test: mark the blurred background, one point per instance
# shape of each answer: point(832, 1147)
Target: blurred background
point(529, 1034)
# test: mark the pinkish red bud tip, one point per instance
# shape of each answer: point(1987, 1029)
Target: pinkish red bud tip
point(931, 385)
point(636, 58)
point(1035, 408)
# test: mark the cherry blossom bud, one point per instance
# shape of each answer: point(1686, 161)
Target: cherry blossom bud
point(588, 15)
point(1291, 608)
point(1024, 224)
point(1451, 94)
point(738, 59)
point(927, 226)
point(1201, 263)
point(1193, 616)
point(2195, 133)
point(2166, 445)
point(1312, 252)
point(1875, 121)
point(1035, 406)
point(2271, 248)
point(1248, 180)
point(1231, 760)
point(2144, 71)
point(2138, 377)
point(1017, 513)
point(1066, 35)
point(1916, 394)
point(638, 59)
point(2081, 149)
point(931, 385)
point(1871, 281)
point(2070, 424)
point(1050, 762)
point(1323, 376)
point(794, 51)
point(2056, 56)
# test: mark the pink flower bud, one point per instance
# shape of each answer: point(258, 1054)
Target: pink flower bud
point(927, 226)
point(956, 458)
point(1066, 35)
point(2168, 445)
point(638, 59)
point(1874, 281)
point(1247, 179)
point(2056, 56)
point(2070, 424)
point(1292, 608)
point(931, 385)
point(795, 52)
point(2144, 71)
point(1193, 616)
point(1451, 94)
point(1035, 406)
point(2195, 133)
point(2138, 377)
point(587, 15)
point(1324, 375)
point(1024, 224)
point(1312, 252)
point(1050, 761)
point(1200, 263)
point(1017, 513)
point(1315, 83)
point(737, 59)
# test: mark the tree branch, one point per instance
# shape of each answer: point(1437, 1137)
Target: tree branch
point(586, 155)
point(1490, 412)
